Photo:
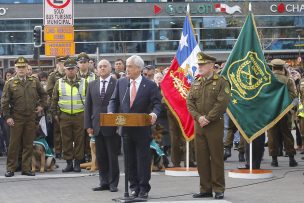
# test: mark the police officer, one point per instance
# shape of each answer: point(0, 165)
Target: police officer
point(178, 143)
point(232, 129)
point(53, 77)
point(23, 96)
point(207, 101)
point(68, 106)
point(282, 126)
point(83, 64)
point(84, 72)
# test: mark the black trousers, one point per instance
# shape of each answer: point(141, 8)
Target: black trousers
point(257, 151)
point(107, 159)
point(139, 160)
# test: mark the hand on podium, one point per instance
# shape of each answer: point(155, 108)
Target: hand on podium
point(153, 118)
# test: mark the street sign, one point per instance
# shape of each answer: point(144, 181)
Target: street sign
point(59, 48)
point(58, 33)
point(58, 12)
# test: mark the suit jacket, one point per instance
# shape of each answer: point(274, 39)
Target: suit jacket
point(94, 106)
point(147, 100)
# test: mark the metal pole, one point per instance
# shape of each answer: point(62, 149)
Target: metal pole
point(38, 59)
point(250, 159)
point(187, 155)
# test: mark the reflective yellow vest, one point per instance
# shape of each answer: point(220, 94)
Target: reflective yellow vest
point(71, 98)
point(300, 109)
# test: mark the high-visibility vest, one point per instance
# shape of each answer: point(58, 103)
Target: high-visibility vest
point(71, 98)
point(300, 108)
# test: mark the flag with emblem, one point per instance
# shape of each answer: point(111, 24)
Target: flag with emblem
point(258, 99)
point(176, 83)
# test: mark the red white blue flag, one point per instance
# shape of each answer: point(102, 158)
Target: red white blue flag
point(177, 82)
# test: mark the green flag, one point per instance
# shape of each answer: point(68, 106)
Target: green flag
point(258, 99)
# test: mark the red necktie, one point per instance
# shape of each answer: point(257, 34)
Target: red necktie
point(133, 93)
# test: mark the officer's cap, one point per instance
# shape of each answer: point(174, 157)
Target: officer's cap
point(83, 57)
point(277, 63)
point(203, 58)
point(21, 61)
point(70, 63)
point(61, 58)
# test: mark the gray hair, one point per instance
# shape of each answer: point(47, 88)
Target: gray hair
point(108, 63)
point(137, 60)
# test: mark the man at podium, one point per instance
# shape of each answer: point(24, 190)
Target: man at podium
point(136, 94)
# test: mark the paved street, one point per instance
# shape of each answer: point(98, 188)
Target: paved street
point(286, 186)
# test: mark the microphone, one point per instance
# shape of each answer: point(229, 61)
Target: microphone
point(125, 92)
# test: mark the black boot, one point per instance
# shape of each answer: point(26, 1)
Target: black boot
point(69, 166)
point(292, 161)
point(77, 166)
point(274, 162)
point(227, 153)
point(241, 157)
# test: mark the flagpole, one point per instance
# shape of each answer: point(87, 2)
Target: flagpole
point(250, 159)
point(187, 155)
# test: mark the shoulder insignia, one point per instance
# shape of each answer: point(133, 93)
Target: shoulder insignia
point(227, 90)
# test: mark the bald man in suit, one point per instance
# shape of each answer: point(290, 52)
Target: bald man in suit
point(97, 99)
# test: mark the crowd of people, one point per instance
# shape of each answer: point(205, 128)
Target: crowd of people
point(73, 95)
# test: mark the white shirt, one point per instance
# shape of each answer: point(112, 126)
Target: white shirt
point(106, 84)
point(138, 81)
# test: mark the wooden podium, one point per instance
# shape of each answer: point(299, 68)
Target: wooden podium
point(125, 119)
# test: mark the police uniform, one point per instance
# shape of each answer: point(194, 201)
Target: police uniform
point(68, 104)
point(301, 108)
point(209, 97)
point(232, 129)
point(53, 77)
point(89, 77)
point(178, 143)
point(282, 126)
point(20, 98)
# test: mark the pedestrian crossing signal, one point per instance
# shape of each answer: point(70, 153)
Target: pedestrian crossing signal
point(37, 36)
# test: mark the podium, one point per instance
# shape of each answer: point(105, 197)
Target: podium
point(125, 120)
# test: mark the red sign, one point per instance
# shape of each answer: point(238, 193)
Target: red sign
point(157, 9)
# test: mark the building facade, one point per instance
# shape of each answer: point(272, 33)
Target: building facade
point(117, 29)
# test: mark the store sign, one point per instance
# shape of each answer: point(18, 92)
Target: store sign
point(3, 11)
point(289, 8)
point(182, 9)
point(58, 12)
point(172, 9)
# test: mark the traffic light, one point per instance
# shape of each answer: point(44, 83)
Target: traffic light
point(37, 36)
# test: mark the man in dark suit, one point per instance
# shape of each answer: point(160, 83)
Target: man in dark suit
point(97, 99)
point(136, 94)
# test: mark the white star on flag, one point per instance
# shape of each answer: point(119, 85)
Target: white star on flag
point(183, 41)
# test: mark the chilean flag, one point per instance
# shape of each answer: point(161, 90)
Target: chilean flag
point(176, 84)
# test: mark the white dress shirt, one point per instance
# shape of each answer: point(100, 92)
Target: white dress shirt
point(106, 85)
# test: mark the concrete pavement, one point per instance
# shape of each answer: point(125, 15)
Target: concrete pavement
point(286, 186)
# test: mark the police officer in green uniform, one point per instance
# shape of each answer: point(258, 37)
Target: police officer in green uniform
point(23, 96)
point(84, 72)
point(282, 126)
point(68, 106)
point(207, 101)
point(53, 77)
point(232, 129)
point(178, 143)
